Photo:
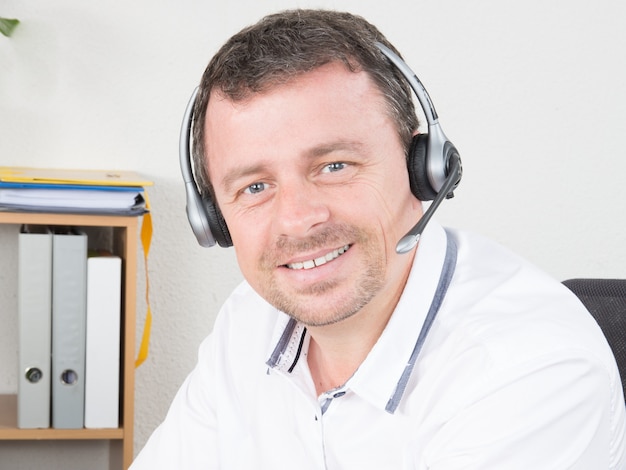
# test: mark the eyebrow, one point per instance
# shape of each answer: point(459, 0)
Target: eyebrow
point(237, 173)
point(325, 149)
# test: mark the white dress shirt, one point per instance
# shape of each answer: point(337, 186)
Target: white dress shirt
point(514, 374)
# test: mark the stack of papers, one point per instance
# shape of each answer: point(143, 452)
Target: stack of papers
point(72, 191)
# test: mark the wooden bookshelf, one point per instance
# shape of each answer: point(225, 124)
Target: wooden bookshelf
point(9, 431)
point(125, 240)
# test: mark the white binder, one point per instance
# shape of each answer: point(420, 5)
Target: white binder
point(34, 325)
point(69, 276)
point(102, 363)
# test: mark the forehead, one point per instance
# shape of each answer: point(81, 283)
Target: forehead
point(317, 109)
point(332, 87)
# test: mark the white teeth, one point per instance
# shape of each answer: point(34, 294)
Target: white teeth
point(319, 261)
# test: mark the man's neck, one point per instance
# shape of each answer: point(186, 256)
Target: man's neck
point(333, 357)
point(336, 351)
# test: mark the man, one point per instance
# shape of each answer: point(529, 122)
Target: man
point(337, 352)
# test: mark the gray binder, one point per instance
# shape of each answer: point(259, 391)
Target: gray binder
point(69, 277)
point(34, 326)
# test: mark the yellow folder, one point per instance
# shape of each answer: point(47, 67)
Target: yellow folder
point(12, 174)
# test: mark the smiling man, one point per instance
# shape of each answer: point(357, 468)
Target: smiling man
point(337, 352)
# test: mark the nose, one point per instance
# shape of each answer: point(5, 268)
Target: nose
point(300, 207)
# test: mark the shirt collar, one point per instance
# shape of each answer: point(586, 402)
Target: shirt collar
point(289, 344)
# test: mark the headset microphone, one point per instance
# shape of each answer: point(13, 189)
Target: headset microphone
point(408, 242)
point(434, 163)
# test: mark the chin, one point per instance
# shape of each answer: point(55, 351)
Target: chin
point(320, 308)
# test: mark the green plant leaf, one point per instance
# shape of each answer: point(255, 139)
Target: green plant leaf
point(7, 26)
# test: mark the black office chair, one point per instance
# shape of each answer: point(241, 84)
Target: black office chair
point(606, 300)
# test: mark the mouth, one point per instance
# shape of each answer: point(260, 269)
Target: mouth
point(312, 263)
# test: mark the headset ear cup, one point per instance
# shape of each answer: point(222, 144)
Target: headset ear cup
point(417, 166)
point(217, 224)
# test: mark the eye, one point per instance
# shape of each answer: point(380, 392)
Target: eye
point(254, 188)
point(333, 167)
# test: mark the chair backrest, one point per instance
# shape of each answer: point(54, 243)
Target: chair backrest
point(606, 301)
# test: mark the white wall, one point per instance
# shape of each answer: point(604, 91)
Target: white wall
point(532, 93)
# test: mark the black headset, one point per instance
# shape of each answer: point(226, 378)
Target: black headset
point(433, 162)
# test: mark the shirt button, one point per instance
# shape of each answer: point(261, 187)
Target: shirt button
point(339, 394)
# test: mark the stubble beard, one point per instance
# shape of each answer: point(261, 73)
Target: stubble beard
point(308, 305)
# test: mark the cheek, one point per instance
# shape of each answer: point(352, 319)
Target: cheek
point(243, 259)
point(248, 255)
point(250, 237)
point(245, 236)
point(387, 202)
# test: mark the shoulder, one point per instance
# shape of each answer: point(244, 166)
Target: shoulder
point(514, 312)
point(244, 328)
point(509, 333)
point(245, 312)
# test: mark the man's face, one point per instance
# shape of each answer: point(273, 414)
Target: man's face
point(312, 182)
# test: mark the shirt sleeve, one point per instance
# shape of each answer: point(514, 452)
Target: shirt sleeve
point(187, 438)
